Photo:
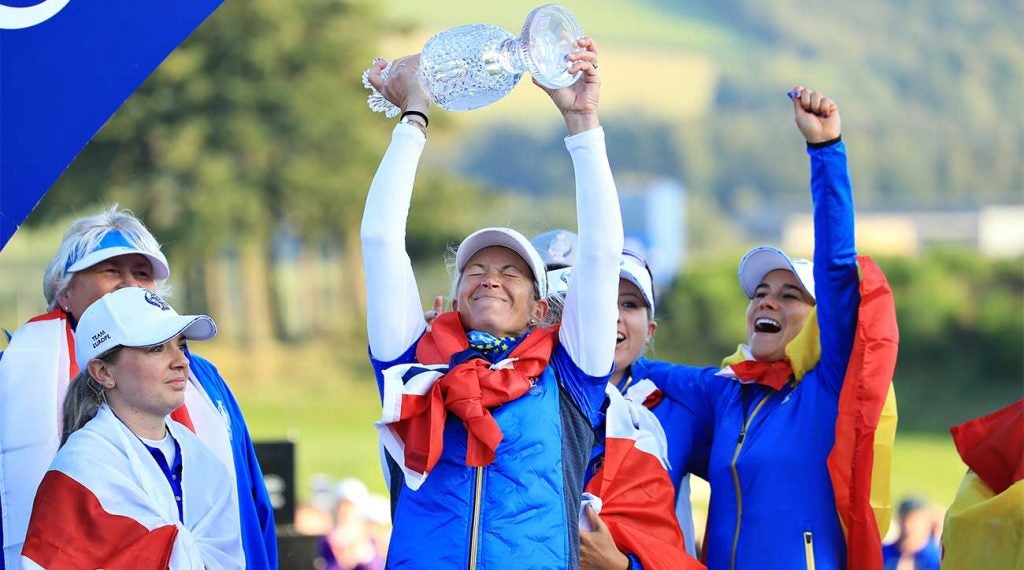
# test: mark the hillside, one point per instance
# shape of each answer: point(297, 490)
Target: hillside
point(696, 91)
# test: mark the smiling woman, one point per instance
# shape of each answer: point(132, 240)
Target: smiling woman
point(459, 498)
point(785, 430)
point(129, 485)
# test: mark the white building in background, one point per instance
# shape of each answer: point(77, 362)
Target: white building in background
point(996, 231)
point(654, 223)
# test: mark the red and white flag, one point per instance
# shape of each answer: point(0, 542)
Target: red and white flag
point(636, 493)
point(105, 503)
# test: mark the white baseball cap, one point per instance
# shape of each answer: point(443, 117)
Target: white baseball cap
point(507, 238)
point(557, 248)
point(634, 268)
point(133, 317)
point(764, 259)
point(113, 244)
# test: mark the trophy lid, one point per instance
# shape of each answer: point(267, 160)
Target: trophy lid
point(549, 35)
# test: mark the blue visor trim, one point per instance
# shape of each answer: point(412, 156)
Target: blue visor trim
point(114, 238)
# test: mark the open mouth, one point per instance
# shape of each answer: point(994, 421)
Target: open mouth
point(619, 339)
point(766, 325)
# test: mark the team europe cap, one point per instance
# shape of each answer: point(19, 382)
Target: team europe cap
point(508, 238)
point(133, 317)
point(557, 248)
point(112, 245)
point(764, 259)
point(634, 268)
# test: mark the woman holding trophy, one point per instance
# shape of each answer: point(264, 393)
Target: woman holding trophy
point(488, 417)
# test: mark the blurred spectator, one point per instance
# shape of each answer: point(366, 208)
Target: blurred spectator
point(917, 546)
point(378, 518)
point(315, 517)
point(352, 543)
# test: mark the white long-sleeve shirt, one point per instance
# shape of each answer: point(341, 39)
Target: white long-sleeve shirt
point(394, 309)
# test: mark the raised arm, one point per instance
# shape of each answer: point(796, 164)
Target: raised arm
point(590, 313)
point(835, 253)
point(394, 313)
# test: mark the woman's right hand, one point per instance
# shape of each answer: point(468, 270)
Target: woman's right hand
point(816, 116)
point(597, 547)
point(403, 87)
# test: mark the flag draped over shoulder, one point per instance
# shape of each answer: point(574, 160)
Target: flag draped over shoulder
point(861, 458)
point(65, 67)
point(418, 397)
point(30, 418)
point(637, 496)
point(105, 503)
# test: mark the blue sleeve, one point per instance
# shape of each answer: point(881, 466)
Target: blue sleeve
point(586, 391)
point(687, 413)
point(259, 535)
point(379, 366)
point(836, 280)
point(634, 563)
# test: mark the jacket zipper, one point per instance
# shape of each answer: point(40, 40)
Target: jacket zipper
point(736, 476)
point(474, 537)
point(809, 549)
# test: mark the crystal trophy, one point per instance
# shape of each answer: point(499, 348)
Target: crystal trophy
point(468, 67)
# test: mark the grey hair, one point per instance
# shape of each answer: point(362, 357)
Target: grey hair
point(83, 235)
point(85, 395)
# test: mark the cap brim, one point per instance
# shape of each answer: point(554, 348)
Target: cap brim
point(509, 239)
point(160, 268)
point(192, 327)
point(631, 270)
point(761, 261)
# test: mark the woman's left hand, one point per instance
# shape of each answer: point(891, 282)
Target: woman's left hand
point(578, 103)
point(597, 548)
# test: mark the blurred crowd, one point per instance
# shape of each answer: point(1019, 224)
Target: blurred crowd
point(355, 524)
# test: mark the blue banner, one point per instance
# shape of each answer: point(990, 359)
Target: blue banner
point(65, 68)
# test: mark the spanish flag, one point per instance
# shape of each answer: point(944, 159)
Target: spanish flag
point(861, 459)
point(985, 524)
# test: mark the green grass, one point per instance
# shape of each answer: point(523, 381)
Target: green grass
point(319, 396)
point(926, 465)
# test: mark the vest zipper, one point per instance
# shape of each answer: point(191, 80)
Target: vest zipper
point(474, 537)
point(809, 549)
point(736, 475)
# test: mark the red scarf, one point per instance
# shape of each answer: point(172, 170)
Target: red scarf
point(772, 374)
point(468, 390)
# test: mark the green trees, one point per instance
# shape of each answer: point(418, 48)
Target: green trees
point(961, 320)
point(255, 125)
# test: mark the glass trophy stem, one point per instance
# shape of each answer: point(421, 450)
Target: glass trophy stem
point(508, 58)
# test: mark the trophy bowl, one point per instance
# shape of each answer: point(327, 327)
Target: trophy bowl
point(468, 67)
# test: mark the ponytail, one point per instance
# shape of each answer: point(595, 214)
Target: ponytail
point(85, 395)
